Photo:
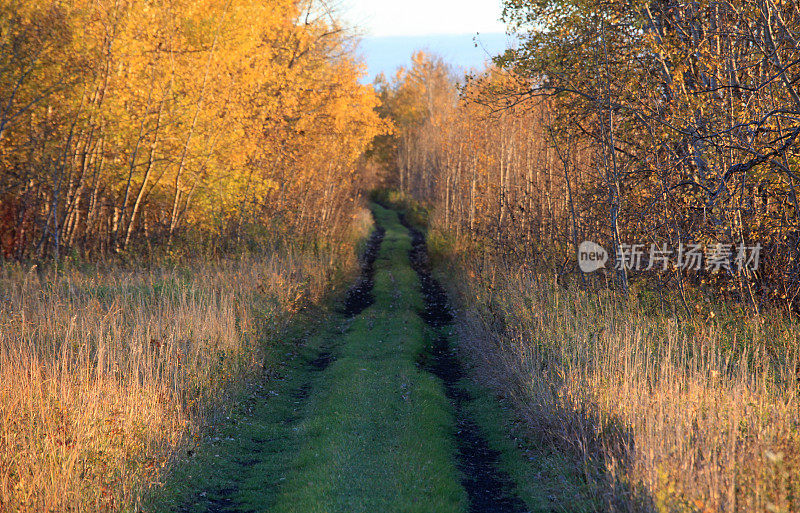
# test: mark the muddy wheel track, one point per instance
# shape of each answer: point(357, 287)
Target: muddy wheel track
point(359, 296)
point(490, 489)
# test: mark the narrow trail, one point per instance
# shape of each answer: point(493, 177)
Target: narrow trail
point(371, 418)
point(489, 488)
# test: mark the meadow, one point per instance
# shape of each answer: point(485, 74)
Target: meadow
point(660, 411)
point(108, 372)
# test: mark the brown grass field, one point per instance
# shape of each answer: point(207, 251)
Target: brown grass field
point(700, 416)
point(106, 373)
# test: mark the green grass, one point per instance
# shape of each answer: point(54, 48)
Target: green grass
point(416, 213)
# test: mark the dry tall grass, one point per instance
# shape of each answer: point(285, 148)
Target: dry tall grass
point(105, 374)
point(691, 417)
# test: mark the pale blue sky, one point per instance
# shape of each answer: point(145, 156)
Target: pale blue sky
point(379, 18)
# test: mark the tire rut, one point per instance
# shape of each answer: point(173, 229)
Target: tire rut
point(359, 296)
point(490, 490)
